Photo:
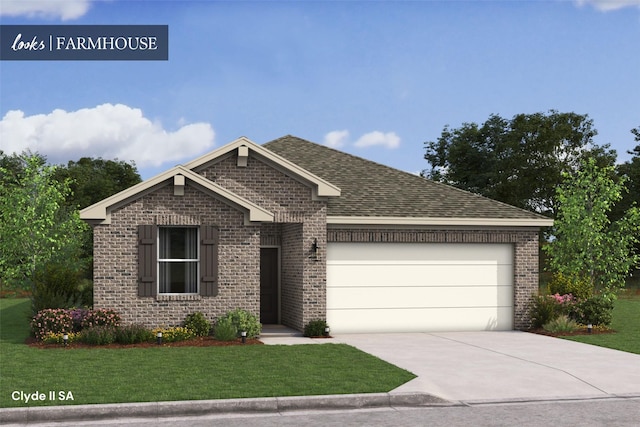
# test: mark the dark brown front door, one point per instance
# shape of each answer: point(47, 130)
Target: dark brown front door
point(269, 285)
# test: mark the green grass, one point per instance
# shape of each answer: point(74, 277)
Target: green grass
point(626, 323)
point(181, 373)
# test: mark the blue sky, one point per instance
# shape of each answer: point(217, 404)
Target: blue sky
point(375, 79)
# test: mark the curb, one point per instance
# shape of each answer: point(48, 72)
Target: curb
point(40, 414)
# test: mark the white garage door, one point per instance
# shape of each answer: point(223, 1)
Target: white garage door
point(407, 287)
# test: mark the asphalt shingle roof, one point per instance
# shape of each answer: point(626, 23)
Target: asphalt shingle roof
point(372, 189)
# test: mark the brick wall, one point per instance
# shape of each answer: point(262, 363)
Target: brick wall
point(525, 243)
point(115, 247)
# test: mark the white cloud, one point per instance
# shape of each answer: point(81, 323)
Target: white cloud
point(336, 138)
point(63, 9)
point(108, 131)
point(388, 140)
point(608, 5)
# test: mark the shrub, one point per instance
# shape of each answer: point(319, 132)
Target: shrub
point(198, 324)
point(133, 334)
point(596, 310)
point(58, 337)
point(561, 324)
point(98, 335)
point(174, 334)
point(100, 317)
point(543, 310)
point(576, 286)
point(56, 285)
point(244, 321)
point(225, 330)
point(51, 321)
point(315, 328)
point(78, 315)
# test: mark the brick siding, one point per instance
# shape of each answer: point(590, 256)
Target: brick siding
point(115, 247)
point(299, 221)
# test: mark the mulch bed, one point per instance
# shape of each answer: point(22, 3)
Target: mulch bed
point(196, 342)
point(581, 331)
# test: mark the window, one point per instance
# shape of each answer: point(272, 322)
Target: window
point(178, 260)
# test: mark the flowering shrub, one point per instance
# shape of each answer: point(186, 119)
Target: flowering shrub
point(101, 317)
point(177, 333)
point(58, 337)
point(545, 308)
point(60, 320)
point(78, 315)
point(51, 320)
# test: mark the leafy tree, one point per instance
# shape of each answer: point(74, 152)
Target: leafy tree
point(518, 161)
point(92, 180)
point(587, 244)
point(35, 226)
point(630, 170)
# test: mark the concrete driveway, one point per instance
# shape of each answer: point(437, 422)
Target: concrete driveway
point(476, 367)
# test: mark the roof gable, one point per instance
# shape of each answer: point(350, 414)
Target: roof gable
point(321, 187)
point(376, 194)
point(100, 212)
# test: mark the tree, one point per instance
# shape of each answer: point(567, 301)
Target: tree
point(630, 170)
point(587, 244)
point(35, 225)
point(92, 180)
point(518, 161)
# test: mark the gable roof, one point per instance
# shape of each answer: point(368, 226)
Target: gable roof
point(321, 187)
point(372, 193)
point(101, 212)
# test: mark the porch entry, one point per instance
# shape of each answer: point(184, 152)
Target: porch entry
point(269, 285)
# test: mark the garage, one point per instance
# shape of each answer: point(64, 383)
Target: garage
point(411, 287)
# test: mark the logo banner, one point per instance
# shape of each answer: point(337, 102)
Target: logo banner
point(84, 42)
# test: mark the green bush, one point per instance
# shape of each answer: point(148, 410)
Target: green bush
point(56, 285)
point(595, 310)
point(98, 335)
point(576, 286)
point(198, 324)
point(543, 309)
point(315, 328)
point(244, 321)
point(133, 334)
point(225, 330)
point(561, 324)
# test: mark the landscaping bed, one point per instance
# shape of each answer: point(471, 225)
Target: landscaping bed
point(194, 342)
point(580, 331)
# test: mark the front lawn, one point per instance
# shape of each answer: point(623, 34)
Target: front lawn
point(626, 323)
point(95, 375)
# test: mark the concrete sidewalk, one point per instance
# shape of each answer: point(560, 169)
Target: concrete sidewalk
point(474, 367)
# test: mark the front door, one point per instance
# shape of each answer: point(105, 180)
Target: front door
point(269, 285)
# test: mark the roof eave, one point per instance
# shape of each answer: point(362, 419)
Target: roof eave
point(100, 213)
point(426, 221)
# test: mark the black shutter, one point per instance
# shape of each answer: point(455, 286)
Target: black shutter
point(147, 262)
point(209, 261)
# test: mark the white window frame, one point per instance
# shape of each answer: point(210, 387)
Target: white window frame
point(161, 261)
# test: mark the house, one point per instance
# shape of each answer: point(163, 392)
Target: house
point(295, 231)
